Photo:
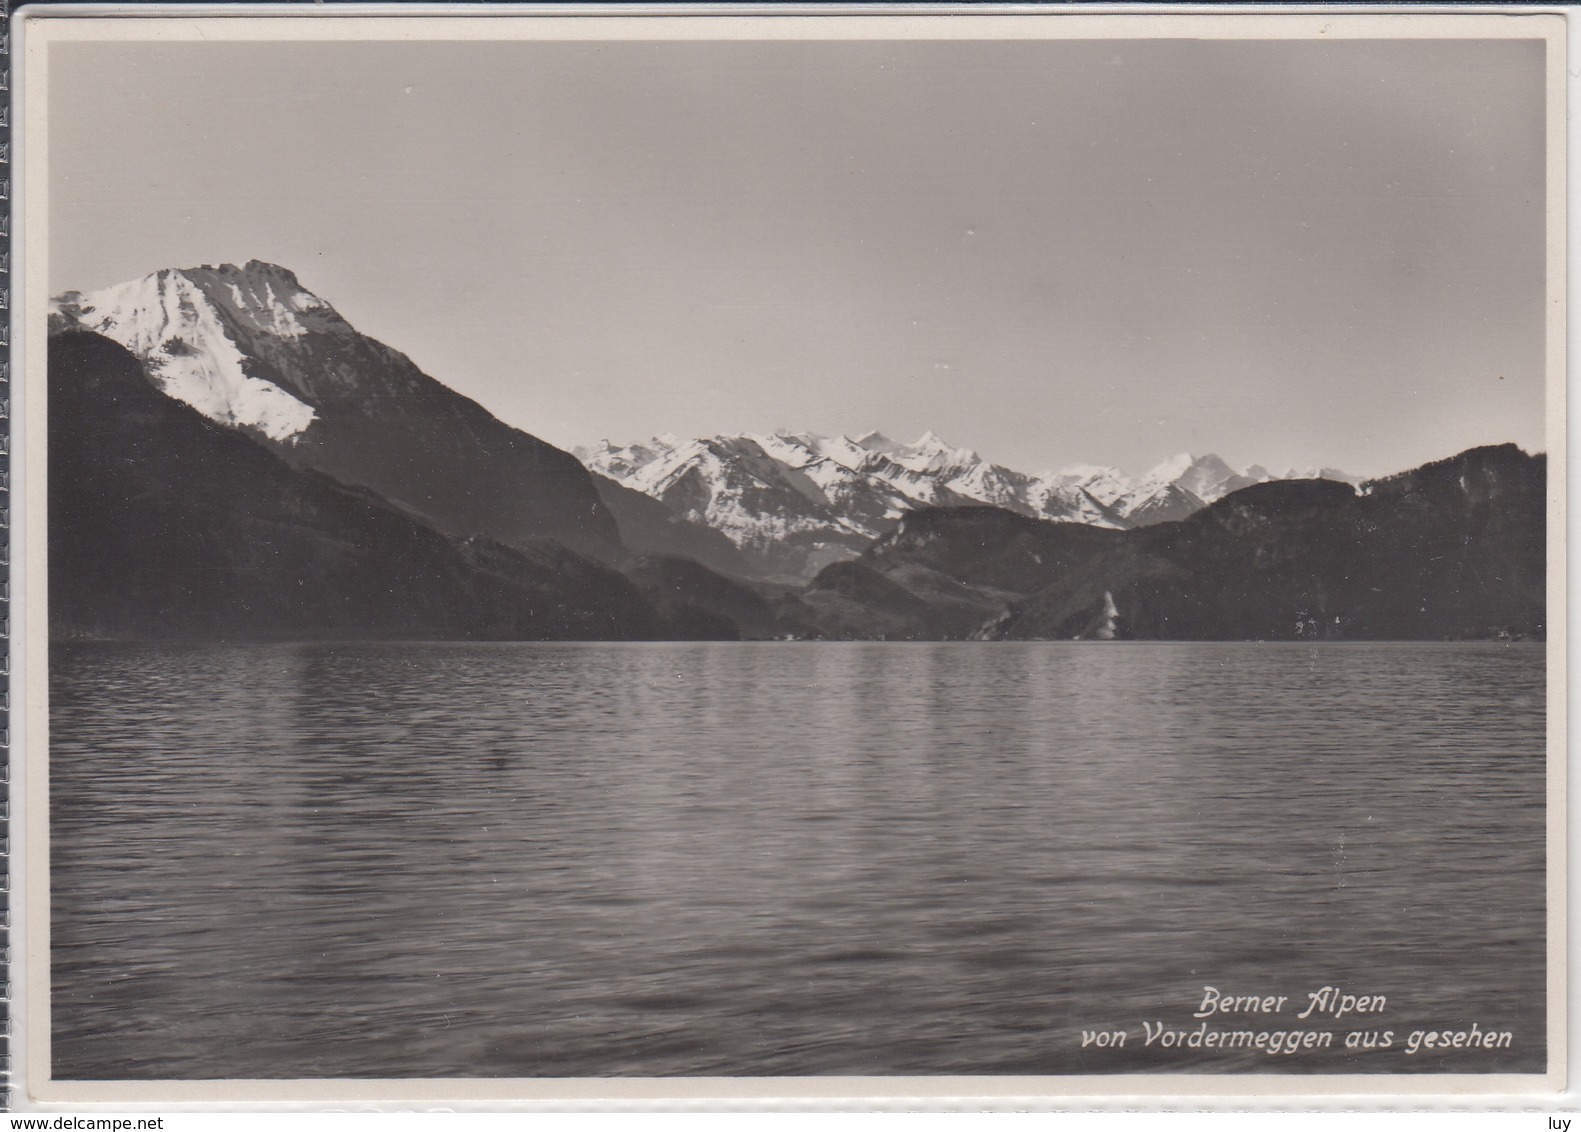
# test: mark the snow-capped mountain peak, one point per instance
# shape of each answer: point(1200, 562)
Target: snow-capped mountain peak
point(934, 455)
point(269, 298)
point(189, 327)
point(1172, 469)
point(1205, 478)
point(1310, 473)
point(876, 441)
point(250, 348)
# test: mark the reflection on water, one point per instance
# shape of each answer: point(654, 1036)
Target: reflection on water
point(579, 860)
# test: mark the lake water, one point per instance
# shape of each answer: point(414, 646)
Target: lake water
point(710, 859)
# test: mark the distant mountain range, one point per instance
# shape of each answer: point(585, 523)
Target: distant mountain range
point(794, 502)
point(1454, 549)
point(229, 458)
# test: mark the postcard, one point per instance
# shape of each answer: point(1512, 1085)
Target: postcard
point(744, 553)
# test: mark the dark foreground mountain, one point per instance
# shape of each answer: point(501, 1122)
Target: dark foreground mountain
point(163, 524)
point(1453, 549)
point(648, 527)
point(704, 604)
point(945, 573)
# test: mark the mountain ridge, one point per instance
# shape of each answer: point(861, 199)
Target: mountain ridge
point(793, 501)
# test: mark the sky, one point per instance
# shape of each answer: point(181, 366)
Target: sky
point(1054, 252)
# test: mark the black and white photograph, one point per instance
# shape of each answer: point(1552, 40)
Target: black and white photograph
point(873, 553)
